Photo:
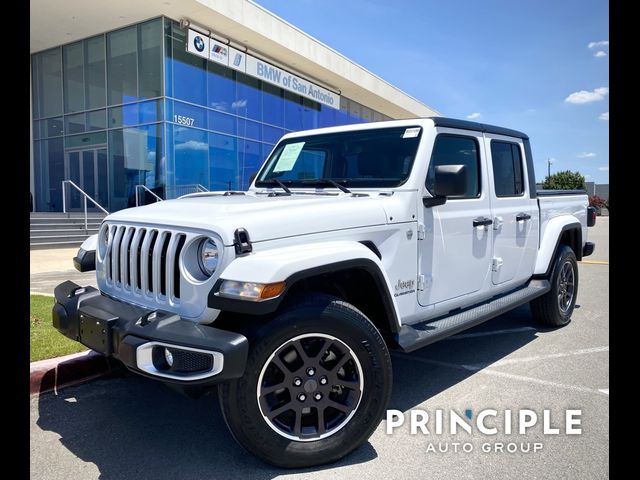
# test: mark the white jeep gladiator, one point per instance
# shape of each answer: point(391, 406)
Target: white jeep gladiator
point(351, 241)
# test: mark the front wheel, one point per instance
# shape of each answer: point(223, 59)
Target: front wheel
point(316, 386)
point(555, 307)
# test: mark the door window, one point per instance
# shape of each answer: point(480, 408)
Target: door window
point(508, 178)
point(456, 150)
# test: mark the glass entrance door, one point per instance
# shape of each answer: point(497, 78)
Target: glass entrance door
point(88, 169)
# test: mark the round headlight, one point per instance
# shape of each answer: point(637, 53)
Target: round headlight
point(208, 256)
point(103, 240)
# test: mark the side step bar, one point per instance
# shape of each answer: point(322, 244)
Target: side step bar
point(413, 337)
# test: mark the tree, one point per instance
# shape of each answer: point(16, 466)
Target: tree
point(566, 180)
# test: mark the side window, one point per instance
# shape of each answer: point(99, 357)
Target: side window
point(456, 150)
point(507, 169)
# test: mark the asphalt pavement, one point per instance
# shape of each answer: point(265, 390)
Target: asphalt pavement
point(130, 427)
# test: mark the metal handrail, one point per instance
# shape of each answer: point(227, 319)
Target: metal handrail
point(85, 196)
point(158, 198)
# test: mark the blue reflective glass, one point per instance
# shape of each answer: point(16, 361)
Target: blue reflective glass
point(187, 115)
point(191, 152)
point(223, 162)
point(222, 122)
point(249, 161)
point(135, 158)
point(189, 74)
point(309, 114)
point(342, 117)
point(271, 134)
point(221, 88)
point(292, 112)
point(249, 129)
point(327, 116)
point(248, 102)
point(54, 126)
point(272, 105)
point(135, 113)
point(48, 156)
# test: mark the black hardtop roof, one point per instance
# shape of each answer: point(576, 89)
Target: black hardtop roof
point(481, 127)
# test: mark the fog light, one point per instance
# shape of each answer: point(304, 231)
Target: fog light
point(168, 357)
point(251, 291)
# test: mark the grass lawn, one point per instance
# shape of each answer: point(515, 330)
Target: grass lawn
point(46, 341)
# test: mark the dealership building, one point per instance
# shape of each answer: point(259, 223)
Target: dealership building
point(171, 97)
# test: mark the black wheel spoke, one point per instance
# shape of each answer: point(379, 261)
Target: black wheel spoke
point(272, 388)
point(297, 426)
point(321, 427)
point(351, 384)
point(281, 366)
point(277, 411)
point(338, 406)
point(301, 351)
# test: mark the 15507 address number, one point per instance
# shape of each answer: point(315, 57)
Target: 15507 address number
point(182, 120)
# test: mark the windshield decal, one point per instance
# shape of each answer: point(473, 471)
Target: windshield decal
point(288, 157)
point(411, 132)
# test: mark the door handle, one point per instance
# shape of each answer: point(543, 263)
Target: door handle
point(523, 217)
point(482, 222)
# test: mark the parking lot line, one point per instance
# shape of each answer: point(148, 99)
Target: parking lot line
point(539, 381)
point(582, 351)
point(594, 262)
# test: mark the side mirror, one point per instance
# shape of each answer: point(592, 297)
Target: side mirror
point(449, 181)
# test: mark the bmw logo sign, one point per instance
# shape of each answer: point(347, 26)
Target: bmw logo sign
point(198, 43)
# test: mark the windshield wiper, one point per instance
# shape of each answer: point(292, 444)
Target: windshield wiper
point(319, 182)
point(275, 181)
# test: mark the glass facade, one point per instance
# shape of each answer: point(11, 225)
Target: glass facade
point(133, 107)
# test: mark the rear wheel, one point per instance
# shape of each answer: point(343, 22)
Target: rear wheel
point(317, 383)
point(556, 306)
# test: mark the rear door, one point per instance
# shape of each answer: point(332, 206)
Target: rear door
point(515, 213)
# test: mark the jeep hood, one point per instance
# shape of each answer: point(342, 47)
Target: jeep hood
point(264, 217)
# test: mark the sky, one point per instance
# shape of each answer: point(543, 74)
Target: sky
point(538, 66)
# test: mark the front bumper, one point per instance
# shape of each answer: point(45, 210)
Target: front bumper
point(139, 338)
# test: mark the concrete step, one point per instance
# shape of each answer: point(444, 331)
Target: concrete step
point(64, 221)
point(63, 226)
point(67, 231)
point(97, 214)
point(59, 230)
point(74, 236)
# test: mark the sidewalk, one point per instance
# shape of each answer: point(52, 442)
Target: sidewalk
point(48, 268)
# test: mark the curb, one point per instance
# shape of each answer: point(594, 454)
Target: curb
point(56, 373)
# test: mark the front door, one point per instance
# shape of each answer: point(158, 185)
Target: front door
point(455, 255)
point(88, 169)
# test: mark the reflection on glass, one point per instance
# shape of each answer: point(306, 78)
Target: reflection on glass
point(135, 158)
point(122, 66)
point(73, 75)
point(95, 92)
point(46, 77)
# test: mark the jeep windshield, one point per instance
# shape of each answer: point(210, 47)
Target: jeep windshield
point(372, 158)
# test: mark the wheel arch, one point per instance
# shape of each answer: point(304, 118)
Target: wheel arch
point(350, 271)
point(566, 230)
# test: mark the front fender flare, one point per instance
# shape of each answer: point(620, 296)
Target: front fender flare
point(291, 264)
